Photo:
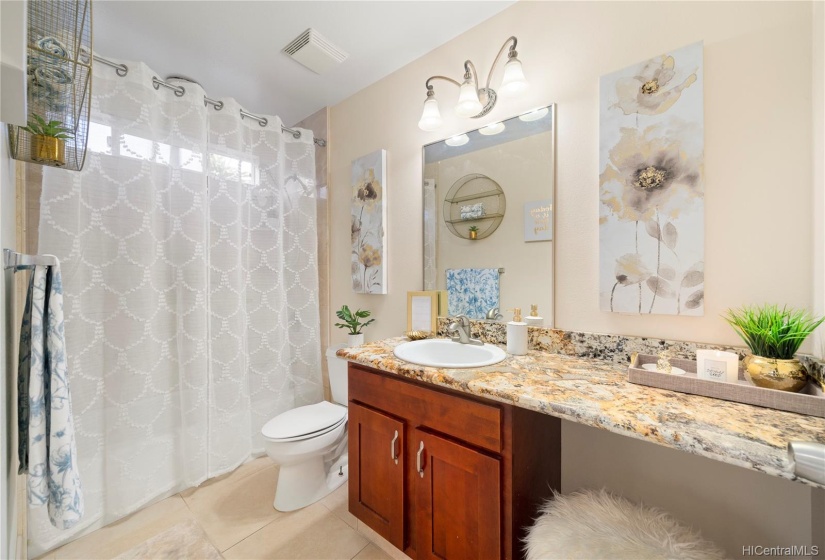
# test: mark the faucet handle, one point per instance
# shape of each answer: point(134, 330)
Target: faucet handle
point(494, 314)
point(460, 325)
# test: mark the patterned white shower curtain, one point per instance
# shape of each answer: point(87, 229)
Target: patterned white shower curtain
point(188, 248)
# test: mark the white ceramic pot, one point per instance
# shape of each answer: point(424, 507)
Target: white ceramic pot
point(355, 339)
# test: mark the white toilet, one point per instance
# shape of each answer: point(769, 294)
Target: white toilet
point(310, 444)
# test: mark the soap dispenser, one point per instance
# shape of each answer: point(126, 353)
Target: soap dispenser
point(533, 319)
point(517, 335)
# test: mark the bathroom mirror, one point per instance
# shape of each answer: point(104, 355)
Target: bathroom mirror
point(489, 205)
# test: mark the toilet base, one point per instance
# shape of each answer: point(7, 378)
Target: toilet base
point(302, 484)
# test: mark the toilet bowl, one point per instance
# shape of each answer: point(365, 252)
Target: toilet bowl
point(310, 444)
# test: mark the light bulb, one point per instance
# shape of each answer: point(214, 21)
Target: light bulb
point(431, 116)
point(468, 103)
point(514, 81)
point(492, 129)
point(459, 140)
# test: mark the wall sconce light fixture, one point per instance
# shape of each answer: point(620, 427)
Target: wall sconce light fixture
point(470, 95)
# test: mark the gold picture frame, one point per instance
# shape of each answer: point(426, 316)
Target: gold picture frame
point(422, 311)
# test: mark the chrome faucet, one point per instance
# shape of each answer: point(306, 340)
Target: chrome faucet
point(494, 315)
point(461, 326)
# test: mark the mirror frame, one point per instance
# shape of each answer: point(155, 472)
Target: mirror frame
point(553, 190)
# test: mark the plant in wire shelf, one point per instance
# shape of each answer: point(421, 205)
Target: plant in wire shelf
point(48, 140)
point(774, 335)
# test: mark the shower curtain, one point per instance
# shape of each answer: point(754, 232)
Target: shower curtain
point(188, 245)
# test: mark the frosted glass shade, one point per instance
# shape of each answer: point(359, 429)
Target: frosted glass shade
point(468, 103)
point(514, 81)
point(431, 116)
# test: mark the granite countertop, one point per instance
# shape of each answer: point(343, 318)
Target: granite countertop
point(596, 393)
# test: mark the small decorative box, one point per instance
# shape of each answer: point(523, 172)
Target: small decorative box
point(810, 401)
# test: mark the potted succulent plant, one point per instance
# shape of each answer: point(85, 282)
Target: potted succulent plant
point(473, 232)
point(774, 336)
point(352, 321)
point(48, 140)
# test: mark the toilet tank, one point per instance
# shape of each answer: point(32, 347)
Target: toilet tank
point(337, 374)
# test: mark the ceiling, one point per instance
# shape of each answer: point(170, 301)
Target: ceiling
point(233, 47)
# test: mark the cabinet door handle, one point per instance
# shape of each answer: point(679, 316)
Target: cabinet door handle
point(418, 460)
point(393, 454)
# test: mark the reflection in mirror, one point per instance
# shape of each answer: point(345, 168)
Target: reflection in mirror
point(488, 217)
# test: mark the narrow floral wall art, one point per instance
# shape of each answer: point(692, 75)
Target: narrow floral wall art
point(651, 158)
point(369, 214)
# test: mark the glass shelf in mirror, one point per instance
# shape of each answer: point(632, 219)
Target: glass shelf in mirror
point(471, 220)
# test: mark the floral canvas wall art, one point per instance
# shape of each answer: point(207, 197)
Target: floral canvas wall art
point(369, 215)
point(651, 188)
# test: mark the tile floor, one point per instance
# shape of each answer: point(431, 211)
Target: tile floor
point(235, 511)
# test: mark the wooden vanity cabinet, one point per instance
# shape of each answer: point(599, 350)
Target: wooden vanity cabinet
point(458, 500)
point(442, 474)
point(379, 488)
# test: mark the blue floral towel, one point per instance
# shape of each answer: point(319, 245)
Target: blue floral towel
point(47, 448)
point(472, 291)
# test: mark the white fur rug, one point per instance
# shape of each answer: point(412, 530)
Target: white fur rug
point(594, 525)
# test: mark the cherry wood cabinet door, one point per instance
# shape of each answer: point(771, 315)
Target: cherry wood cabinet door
point(458, 500)
point(376, 471)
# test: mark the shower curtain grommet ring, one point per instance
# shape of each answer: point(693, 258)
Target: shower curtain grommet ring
point(263, 122)
point(122, 71)
point(157, 82)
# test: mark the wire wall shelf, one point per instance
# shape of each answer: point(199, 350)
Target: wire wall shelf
point(476, 201)
point(59, 84)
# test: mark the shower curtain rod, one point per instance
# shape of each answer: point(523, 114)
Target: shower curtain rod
point(121, 70)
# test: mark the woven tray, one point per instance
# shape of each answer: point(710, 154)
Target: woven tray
point(810, 400)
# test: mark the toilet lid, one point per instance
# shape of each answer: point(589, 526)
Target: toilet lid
point(304, 420)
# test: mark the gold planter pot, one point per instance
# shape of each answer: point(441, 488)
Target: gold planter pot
point(49, 150)
point(771, 373)
point(473, 234)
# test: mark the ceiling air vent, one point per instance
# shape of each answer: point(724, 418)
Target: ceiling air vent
point(315, 52)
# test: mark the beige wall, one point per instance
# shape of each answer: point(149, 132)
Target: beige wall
point(524, 170)
point(758, 157)
point(12, 110)
point(8, 446)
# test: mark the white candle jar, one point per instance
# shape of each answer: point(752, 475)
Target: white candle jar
point(715, 365)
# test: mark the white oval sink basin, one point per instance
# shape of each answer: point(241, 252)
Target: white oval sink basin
point(443, 353)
